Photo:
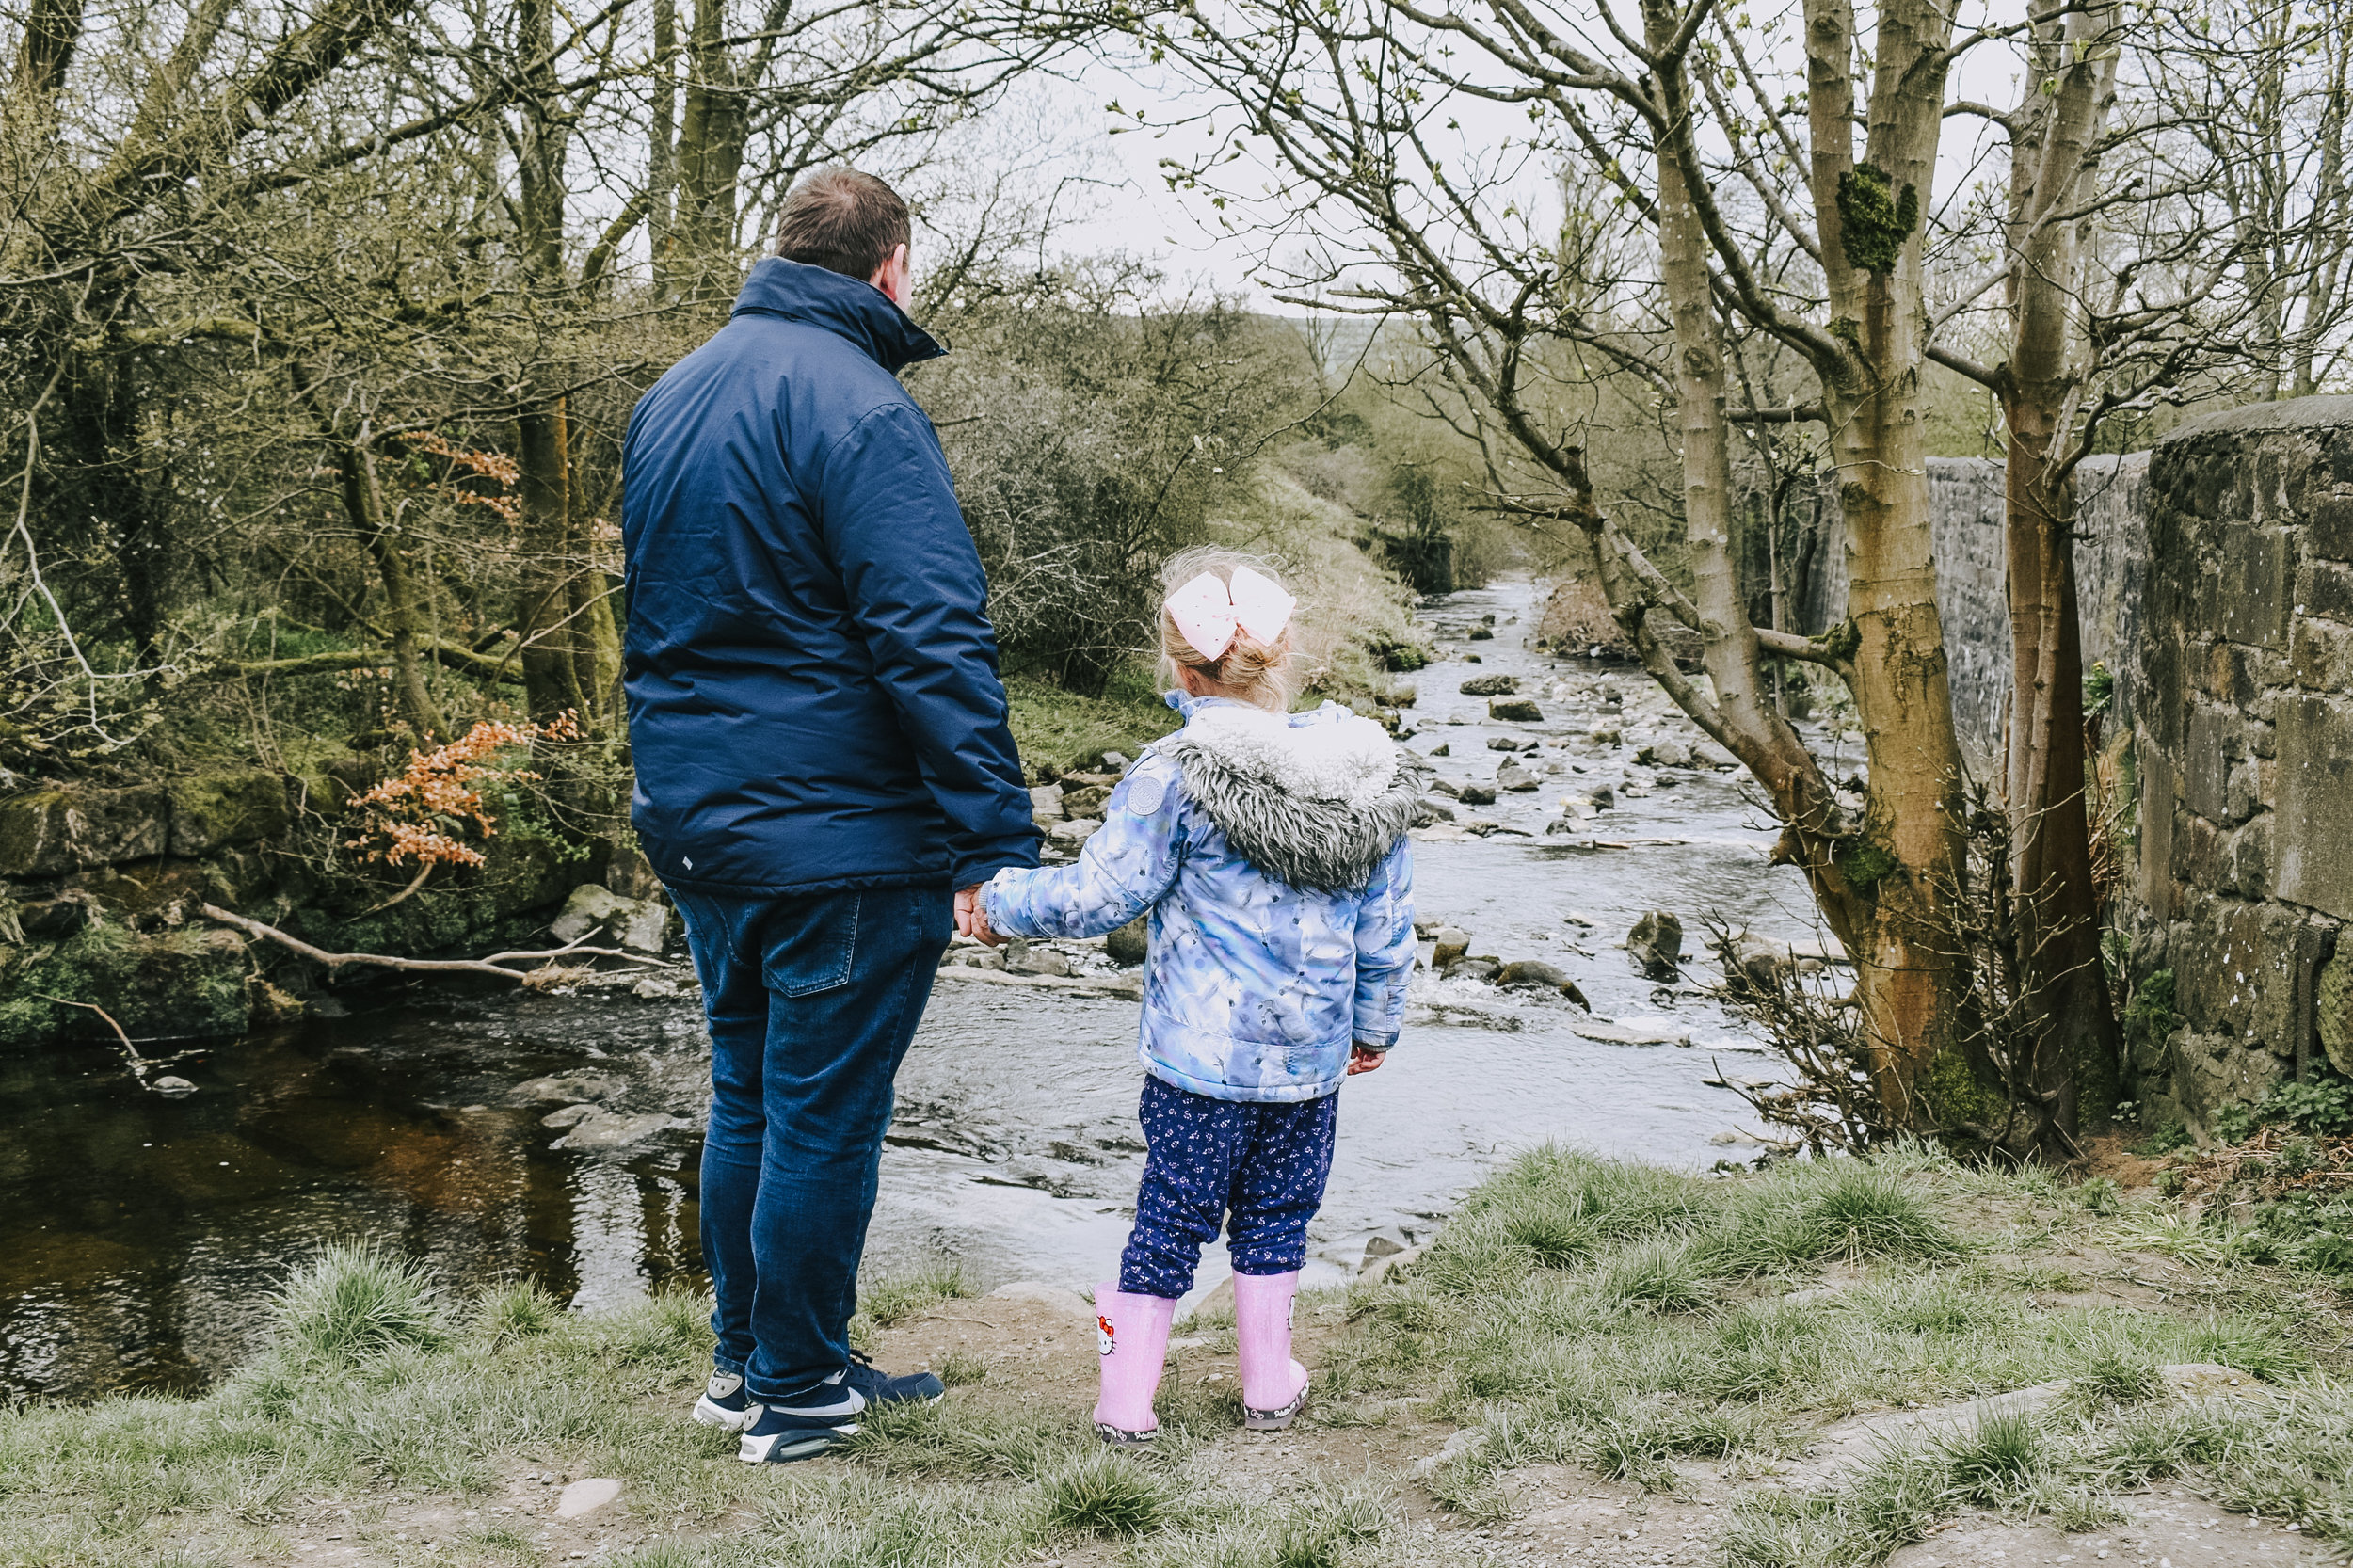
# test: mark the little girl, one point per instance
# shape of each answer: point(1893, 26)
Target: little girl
point(1272, 852)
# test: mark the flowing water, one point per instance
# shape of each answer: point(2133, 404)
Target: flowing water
point(141, 1237)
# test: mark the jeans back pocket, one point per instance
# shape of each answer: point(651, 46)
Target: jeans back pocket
point(811, 944)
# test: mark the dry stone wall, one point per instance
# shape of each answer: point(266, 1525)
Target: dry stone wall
point(2244, 739)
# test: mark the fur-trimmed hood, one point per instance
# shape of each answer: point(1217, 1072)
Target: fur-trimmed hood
point(1317, 800)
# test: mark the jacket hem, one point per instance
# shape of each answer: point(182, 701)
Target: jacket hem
point(1244, 1094)
point(855, 882)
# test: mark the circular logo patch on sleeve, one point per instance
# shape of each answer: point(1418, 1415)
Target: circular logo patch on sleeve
point(1147, 794)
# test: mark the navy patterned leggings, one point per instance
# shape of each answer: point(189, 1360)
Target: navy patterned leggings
point(1265, 1165)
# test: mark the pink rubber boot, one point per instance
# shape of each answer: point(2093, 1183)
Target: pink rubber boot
point(1274, 1387)
point(1131, 1331)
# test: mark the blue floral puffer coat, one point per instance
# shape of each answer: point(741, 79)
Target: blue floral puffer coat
point(1272, 852)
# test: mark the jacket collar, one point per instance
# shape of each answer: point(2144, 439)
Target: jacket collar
point(848, 306)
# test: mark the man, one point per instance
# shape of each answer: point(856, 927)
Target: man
point(822, 754)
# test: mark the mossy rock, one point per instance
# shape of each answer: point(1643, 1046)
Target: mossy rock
point(219, 811)
point(50, 832)
point(190, 983)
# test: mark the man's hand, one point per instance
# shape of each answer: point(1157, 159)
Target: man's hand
point(1364, 1059)
point(972, 920)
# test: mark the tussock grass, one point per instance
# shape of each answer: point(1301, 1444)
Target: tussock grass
point(353, 1301)
point(1105, 1492)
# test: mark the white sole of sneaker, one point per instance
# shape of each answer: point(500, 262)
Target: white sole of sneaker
point(711, 1415)
point(785, 1448)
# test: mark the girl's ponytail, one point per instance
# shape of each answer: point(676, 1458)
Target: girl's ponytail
point(1254, 671)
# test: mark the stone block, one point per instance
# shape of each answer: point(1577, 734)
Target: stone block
point(2250, 858)
point(2329, 529)
point(2333, 1007)
point(50, 832)
point(2313, 851)
point(2234, 970)
point(2253, 587)
point(220, 811)
point(2211, 1071)
point(2325, 588)
point(2320, 655)
point(2200, 853)
point(2213, 743)
point(2245, 791)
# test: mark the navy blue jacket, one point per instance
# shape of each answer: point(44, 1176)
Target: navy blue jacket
point(813, 695)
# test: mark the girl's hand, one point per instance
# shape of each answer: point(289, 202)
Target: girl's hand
point(1362, 1059)
point(972, 916)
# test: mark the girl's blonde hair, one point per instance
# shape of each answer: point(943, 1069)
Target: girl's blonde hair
point(1258, 673)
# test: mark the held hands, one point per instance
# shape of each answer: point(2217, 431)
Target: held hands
point(1362, 1059)
point(972, 918)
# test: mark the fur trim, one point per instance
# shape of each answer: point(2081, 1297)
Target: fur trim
point(1319, 805)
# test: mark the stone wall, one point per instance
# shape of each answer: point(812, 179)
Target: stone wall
point(2216, 582)
point(2243, 730)
point(1965, 519)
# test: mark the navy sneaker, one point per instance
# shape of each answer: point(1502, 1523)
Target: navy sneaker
point(804, 1425)
point(880, 1388)
point(725, 1403)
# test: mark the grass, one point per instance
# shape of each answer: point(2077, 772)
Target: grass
point(1069, 734)
point(1626, 1322)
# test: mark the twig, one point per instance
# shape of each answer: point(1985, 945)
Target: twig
point(416, 882)
point(493, 965)
point(138, 1063)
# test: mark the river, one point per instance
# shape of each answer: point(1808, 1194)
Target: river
point(140, 1237)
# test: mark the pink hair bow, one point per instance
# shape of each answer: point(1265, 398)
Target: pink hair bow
point(1208, 611)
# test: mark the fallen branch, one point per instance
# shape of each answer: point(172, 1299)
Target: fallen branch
point(140, 1066)
point(549, 972)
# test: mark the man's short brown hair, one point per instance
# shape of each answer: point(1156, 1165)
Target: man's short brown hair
point(841, 220)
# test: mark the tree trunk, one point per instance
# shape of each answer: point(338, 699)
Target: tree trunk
point(551, 629)
point(403, 617)
point(2074, 1048)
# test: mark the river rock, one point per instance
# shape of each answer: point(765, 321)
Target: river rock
point(172, 1088)
point(607, 1130)
point(570, 1115)
point(637, 924)
point(1707, 754)
point(1512, 776)
point(1023, 959)
point(1533, 971)
point(1491, 685)
point(1444, 748)
point(1127, 945)
point(1085, 801)
point(1446, 787)
point(1604, 797)
point(1072, 836)
point(1604, 733)
point(1475, 794)
point(1394, 1265)
point(46, 832)
point(1452, 943)
point(586, 1497)
point(1431, 809)
point(1046, 804)
point(1118, 761)
point(562, 1090)
point(1756, 965)
point(1519, 710)
point(1056, 1296)
point(1655, 945)
point(1480, 634)
point(1475, 968)
point(1665, 752)
point(1606, 693)
point(1503, 743)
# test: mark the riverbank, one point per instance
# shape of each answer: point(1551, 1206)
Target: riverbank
point(1594, 1362)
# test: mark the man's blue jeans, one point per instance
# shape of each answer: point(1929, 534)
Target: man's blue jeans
point(811, 1002)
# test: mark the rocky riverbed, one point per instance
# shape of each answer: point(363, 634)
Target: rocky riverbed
point(556, 1135)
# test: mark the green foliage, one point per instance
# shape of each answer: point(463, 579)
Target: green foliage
point(353, 1301)
point(1998, 1460)
point(2099, 689)
point(1874, 221)
point(1066, 732)
point(1399, 655)
point(1864, 864)
point(521, 1309)
point(2148, 1017)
